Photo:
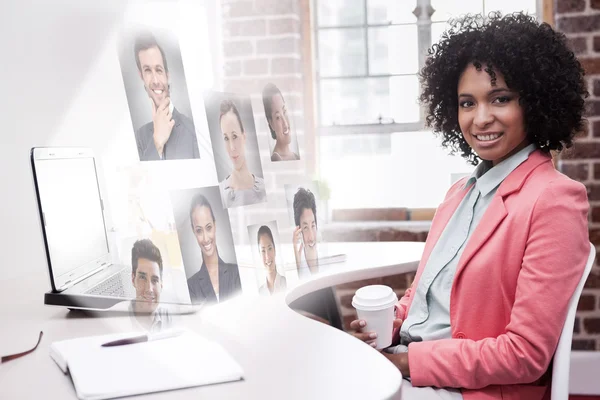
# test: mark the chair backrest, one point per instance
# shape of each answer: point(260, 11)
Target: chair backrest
point(562, 356)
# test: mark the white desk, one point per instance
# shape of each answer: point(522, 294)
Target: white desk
point(284, 355)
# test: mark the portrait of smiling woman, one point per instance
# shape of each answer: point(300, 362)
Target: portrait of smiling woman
point(508, 245)
point(276, 112)
point(266, 255)
point(206, 243)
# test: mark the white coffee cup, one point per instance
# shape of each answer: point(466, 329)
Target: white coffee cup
point(375, 305)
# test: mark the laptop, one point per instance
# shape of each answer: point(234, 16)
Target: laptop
point(71, 210)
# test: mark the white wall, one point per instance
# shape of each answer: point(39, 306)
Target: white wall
point(61, 86)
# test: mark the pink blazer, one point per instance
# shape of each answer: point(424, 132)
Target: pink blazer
point(512, 286)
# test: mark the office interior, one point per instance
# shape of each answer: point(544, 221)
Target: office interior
point(347, 73)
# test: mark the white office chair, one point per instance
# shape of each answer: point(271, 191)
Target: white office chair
point(562, 356)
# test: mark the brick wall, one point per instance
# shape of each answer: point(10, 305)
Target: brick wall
point(262, 43)
point(580, 21)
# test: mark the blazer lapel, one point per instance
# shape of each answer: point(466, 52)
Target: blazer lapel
point(496, 211)
point(223, 280)
point(205, 285)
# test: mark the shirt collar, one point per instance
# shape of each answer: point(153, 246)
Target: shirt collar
point(488, 177)
point(157, 318)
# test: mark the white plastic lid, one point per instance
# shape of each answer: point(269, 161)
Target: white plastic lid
point(374, 298)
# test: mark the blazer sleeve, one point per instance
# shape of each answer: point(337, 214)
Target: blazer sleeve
point(145, 143)
point(237, 283)
point(193, 141)
point(555, 255)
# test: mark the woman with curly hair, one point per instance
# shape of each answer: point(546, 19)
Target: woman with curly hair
point(509, 244)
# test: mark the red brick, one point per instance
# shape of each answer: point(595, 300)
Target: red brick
point(370, 214)
point(253, 85)
point(576, 326)
point(284, 25)
point(566, 6)
point(592, 107)
point(233, 68)
point(350, 236)
point(596, 43)
point(578, 45)
point(587, 302)
point(358, 284)
point(593, 191)
point(582, 150)
point(595, 128)
point(275, 7)
point(238, 48)
point(285, 65)
point(259, 66)
point(591, 325)
point(595, 236)
point(255, 27)
point(581, 23)
point(596, 87)
point(579, 172)
point(593, 281)
point(591, 65)
point(596, 171)
point(595, 212)
point(395, 235)
point(595, 4)
point(346, 300)
point(583, 344)
point(236, 9)
point(277, 45)
point(398, 282)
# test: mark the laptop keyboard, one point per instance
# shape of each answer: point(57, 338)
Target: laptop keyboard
point(113, 287)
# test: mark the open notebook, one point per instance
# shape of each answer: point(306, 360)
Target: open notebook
point(107, 372)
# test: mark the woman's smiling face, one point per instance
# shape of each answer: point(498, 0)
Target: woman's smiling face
point(280, 122)
point(490, 117)
point(205, 230)
point(267, 252)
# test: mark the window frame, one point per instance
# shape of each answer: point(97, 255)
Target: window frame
point(375, 128)
point(544, 12)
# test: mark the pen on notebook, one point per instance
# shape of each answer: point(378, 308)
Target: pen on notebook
point(144, 338)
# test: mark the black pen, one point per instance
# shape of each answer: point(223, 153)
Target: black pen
point(145, 338)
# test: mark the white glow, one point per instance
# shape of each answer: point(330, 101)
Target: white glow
point(416, 173)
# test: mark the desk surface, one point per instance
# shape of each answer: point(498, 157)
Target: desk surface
point(283, 354)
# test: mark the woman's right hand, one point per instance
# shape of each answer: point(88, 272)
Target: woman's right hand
point(371, 337)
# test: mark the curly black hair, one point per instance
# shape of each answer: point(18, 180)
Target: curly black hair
point(534, 60)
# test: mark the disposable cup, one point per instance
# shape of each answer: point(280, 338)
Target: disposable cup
point(375, 305)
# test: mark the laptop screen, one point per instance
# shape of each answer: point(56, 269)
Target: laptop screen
point(72, 215)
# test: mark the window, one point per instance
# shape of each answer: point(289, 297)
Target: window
point(367, 63)
point(373, 149)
